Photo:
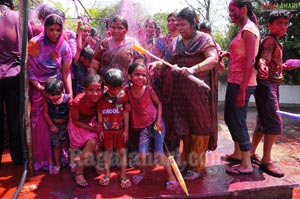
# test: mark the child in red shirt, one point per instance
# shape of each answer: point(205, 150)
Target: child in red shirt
point(113, 118)
point(146, 117)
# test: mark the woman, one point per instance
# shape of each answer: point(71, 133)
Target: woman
point(49, 56)
point(195, 54)
point(161, 82)
point(241, 82)
point(115, 51)
point(147, 36)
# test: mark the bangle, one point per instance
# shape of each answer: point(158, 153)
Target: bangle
point(199, 67)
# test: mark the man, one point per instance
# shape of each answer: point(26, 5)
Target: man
point(9, 79)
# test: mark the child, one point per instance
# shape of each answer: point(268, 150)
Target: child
point(84, 62)
point(83, 128)
point(146, 116)
point(113, 118)
point(56, 112)
point(270, 66)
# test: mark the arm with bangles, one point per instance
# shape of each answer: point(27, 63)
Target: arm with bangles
point(210, 61)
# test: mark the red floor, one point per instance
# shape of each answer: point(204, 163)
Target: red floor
point(215, 184)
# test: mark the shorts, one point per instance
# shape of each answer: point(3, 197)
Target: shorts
point(267, 103)
point(113, 140)
point(235, 117)
point(147, 135)
point(61, 136)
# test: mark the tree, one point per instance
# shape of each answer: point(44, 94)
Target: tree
point(203, 9)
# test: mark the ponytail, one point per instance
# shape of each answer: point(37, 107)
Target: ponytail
point(248, 4)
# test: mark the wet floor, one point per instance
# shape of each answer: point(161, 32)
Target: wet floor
point(214, 184)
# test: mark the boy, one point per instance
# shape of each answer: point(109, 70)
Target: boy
point(113, 117)
point(84, 62)
point(270, 66)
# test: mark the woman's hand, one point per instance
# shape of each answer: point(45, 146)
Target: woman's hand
point(153, 66)
point(223, 54)
point(186, 71)
point(240, 99)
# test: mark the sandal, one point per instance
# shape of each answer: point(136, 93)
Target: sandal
point(272, 169)
point(192, 175)
point(125, 183)
point(137, 178)
point(80, 180)
point(172, 185)
point(99, 169)
point(255, 159)
point(104, 181)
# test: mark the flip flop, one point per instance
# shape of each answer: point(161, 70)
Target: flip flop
point(233, 170)
point(227, 158)
point(271, 169)
point(137, 178)
point(255, 159)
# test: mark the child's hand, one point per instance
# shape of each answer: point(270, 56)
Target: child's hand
point(54, 129)
point(99, 127)
point(125, 136)
point(263, 72)
point(158, 126)
point(127, 107)
point(101, 136)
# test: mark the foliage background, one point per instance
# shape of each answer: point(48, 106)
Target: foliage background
point(291, 41)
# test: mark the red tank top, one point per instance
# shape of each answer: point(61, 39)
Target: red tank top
point(143, 111)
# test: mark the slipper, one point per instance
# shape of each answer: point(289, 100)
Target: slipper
point(137, 178)
point(233, 170)
point(255, 159)
point(172, 185)
point(230, 159)
point(80, 180)
point(192, 175)
point(271, 169)
point(104, 181)
point(125, 183)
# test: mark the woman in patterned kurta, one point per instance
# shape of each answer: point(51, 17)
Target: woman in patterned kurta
point(115, 51)
point(49, 56)
point(194, 52)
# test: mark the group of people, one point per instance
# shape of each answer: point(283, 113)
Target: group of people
point(247, 53)
point(106, 96)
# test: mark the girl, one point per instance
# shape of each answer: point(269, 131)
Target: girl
point(83, 129)
point(146, 116)
point(56, 113)
point(241, 83)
